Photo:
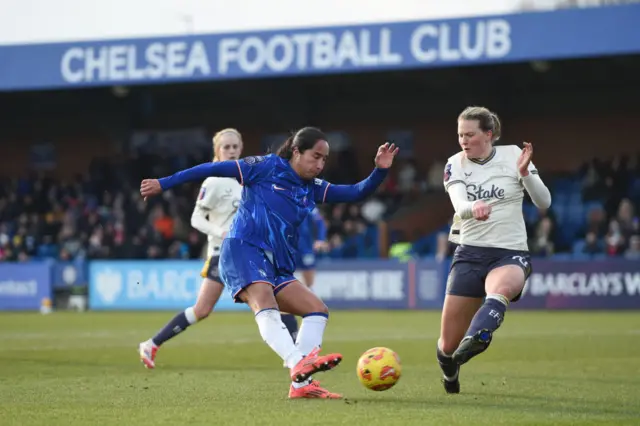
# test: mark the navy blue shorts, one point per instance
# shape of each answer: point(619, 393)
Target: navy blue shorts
point(471, 265)
point(306, 261)
point(210, 269)
point(242, 264)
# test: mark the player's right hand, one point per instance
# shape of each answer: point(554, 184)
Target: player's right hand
point(149, 188)
point(481, 210)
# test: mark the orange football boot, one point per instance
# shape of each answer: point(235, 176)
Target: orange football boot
point(312, 390)
point(313, 363)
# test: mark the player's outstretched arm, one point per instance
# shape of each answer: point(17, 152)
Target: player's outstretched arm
point(345, 193)
point(150, 187)
point(537, 190)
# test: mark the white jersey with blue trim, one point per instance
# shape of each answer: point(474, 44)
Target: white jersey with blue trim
point(218, 201)
point(496, 181)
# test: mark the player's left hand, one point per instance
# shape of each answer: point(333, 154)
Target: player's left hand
point(525, 159)
point(384, 157)
point(149, 188)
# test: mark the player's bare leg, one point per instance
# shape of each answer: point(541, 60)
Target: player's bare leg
point(502, 285)
point(457, 314)
point(299, 300)
point(208, 296)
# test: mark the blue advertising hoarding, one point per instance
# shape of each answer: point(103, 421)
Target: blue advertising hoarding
point(148, 285)
point(23, 286)
point(607, 284)
point(350, 284)
point(381, 284)
point(554, 285)
point(567, 33)
point(69, 274)
point(365, 284)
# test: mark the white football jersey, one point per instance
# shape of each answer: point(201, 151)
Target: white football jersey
point(496, 181)
point(219, 198)
point(454, 232)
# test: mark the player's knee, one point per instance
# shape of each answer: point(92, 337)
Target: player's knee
point(323, 308)
point(448, 345)
point(203, 310)
point(507, 281)
point(319, 307)
point(507, 289)
point(258, 296)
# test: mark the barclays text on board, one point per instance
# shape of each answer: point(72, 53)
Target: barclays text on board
point(286, 52)
point(454, 42)
point(141, 285)
point(584, 284)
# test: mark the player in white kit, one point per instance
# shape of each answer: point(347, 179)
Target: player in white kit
point(215, 208)
point(454, 232)
point(486, 186)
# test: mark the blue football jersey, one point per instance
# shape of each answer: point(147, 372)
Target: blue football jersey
point(311, 229)
point(275, 202)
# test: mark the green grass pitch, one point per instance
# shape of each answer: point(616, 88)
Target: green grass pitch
point(543, 368)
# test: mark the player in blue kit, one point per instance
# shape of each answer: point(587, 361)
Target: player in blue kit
point(313, 235)
point(258, 257)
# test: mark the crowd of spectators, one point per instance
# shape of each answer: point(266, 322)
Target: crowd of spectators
point(100, 215)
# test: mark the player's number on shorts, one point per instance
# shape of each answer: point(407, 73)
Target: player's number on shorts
point(522, 261)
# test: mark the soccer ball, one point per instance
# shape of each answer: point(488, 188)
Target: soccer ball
point(379, 369)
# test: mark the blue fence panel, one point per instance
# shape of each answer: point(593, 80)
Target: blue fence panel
point(23, 286)
point(363, 284)
point(148, 285)
point(69, 274)
point(582, 284)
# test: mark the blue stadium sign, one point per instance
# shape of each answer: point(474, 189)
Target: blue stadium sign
point(510, 38)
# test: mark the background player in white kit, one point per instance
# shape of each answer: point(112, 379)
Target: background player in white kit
point(213, 213)
point(486, 186)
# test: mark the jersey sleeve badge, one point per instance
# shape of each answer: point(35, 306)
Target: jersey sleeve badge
point(447, 172)
point(250, 161)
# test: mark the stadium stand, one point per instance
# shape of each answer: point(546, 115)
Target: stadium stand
point(101, 216)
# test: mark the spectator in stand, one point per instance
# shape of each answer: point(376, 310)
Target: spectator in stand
point(373, 210)
point(407, 174)
point(615, 239)
point(592, 245)
point(626, 218)
point(542, 244)
point(596, 222)
point(633, 252)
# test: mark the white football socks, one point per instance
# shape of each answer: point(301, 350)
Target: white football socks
point(190, 314)
point(311, 333)
point(310, 337)
point(276, 335)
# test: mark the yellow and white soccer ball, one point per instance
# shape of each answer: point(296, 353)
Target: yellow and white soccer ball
point(379, 369)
